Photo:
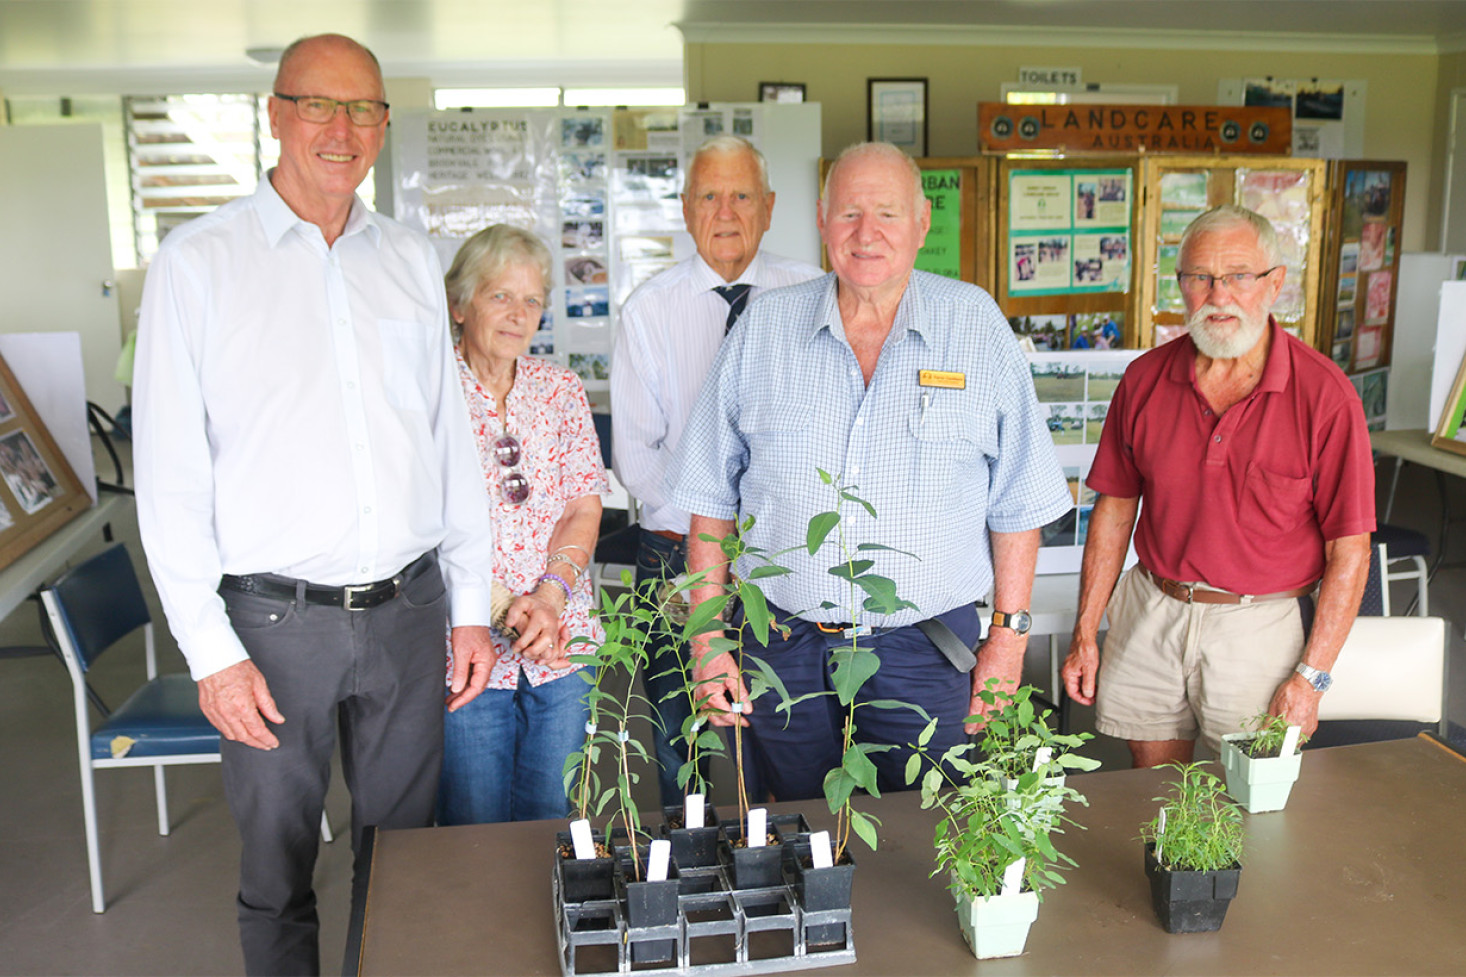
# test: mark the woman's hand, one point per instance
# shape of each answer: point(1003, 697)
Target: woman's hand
point(536, 617)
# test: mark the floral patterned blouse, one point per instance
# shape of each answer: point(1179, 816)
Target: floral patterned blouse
point(549, 414)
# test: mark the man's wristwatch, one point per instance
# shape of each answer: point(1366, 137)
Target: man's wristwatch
point(1316, 677)
point(1018, 621)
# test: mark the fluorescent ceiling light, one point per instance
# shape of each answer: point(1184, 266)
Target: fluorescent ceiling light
point(489, 98)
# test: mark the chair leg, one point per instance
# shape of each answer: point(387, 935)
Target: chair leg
point(160, 788)
point(1422, 606)
point(89, 817)
point(326, 834)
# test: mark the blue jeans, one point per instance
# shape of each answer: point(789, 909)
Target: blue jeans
point(794, 753)
point(504, 753)
point(660, 558)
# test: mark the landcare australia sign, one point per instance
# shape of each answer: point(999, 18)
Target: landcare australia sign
point(1005, 128)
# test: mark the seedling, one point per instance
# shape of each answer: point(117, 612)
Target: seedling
point(1197, 829)
point(1271, 737)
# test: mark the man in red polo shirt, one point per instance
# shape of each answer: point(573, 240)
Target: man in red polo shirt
point(1251, 453)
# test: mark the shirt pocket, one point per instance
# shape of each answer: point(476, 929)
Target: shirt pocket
point(404, 362)
point(944, 446)
point(1272, 502)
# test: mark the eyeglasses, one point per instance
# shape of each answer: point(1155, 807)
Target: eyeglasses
point(318, 109)
point(1239, 281)
point(513, 484)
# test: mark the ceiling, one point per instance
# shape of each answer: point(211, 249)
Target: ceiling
point(76, 46)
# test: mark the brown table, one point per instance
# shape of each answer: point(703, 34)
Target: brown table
point(1364, 873)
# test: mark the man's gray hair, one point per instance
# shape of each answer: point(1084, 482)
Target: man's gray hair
point(880, 150)
point(290, 53)
point(726, 144)
point(487, 255)
point(1229, 216)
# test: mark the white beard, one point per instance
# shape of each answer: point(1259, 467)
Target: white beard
point(1220, 346)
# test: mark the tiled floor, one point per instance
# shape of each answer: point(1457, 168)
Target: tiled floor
point(170, 900)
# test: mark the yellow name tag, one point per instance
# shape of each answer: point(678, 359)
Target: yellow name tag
point(941, 378)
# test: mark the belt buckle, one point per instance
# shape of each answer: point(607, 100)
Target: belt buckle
point(1190, 590)
point(350, 591)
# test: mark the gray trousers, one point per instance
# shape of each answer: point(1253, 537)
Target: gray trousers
point(374, 676)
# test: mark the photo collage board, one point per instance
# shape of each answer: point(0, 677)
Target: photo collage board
point(1074, 391)
point(1069, 231)
point(601, 187)
point(1364, 302)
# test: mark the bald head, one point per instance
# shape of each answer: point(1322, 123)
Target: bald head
point(303, 51)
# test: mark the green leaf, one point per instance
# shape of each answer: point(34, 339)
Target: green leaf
point(850, 570)
point(825, 476)
point(702, 617)
point(849, 496)
point(862, 823)
point(926, 735)
point(913, 767)
point(853, 667)
point(888, 549)
point(820, 526)
point(859, 767)
point(898, 704)
point(755, 611)
point(882, 591)
point(768, 570)
point(839, 785)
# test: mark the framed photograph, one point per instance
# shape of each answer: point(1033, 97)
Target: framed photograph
point(1450, 433)
point(38, 490)
point(781, 91)
point(896, 113)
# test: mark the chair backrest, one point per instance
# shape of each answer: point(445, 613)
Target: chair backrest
point(1375, 601)
point(1389, 668)
point(99, 602)
point(603, 432)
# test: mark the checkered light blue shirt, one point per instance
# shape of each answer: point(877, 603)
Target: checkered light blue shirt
point(941, 467)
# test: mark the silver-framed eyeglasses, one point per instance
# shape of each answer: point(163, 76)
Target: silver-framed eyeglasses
point(1237, 281)
point(362, 112)
point(513, 483)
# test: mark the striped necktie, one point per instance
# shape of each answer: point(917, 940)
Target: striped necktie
point(737, 297)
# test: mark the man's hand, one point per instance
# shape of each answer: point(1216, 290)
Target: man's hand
point(1081, 669)
point(237, 701)
point(717, 677)
point(1297, 703)
point(538, 624)
point(1001, 658)
point(473, 659)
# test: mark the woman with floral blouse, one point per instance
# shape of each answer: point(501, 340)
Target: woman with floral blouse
point(505, 751)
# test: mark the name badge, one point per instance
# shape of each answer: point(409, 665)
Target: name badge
point(941, 378)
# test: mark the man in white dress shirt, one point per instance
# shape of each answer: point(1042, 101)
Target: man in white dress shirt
point(670, 331)
point(303, 463)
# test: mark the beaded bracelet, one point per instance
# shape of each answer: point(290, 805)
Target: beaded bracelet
point(555, 578)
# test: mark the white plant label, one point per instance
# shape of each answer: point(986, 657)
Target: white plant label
point(738, 707)
point(694, 812)
point(758, 828)
point(1042, 755)
point(819, 850)
point(657, 862)
point(1160, 832)
point(581, 839)
point(1290, 741)
point(1013, 878)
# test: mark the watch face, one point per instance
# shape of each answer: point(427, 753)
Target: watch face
point(1019, 621)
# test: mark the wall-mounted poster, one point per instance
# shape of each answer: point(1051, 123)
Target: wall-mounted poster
point(1068, 231)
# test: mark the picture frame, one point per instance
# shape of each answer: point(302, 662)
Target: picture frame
point(39, 492)
point(1450, 429)
point(896, 112)
point(781, 91)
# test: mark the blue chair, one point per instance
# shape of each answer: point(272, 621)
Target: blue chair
point(90, 608)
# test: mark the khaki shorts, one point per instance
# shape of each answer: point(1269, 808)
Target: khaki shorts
point(1169, 669)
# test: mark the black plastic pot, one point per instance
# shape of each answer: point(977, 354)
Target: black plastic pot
point(821, 889)
point(692, 847)
point(584, 879)
point(1190, 902)
point(651, 904)
point(753, 868)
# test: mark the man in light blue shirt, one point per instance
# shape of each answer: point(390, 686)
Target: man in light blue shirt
point(911, 390)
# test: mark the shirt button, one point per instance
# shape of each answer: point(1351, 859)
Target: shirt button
point(350, 384)
point(1218, 439)
point(859, 421)
point(366, 509)
point(363, 570)
point(360, 446)
point(855, 469)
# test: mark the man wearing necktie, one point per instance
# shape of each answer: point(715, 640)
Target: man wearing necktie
point(670, 330)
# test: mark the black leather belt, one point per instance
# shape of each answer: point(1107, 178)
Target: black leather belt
point(353, 597)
